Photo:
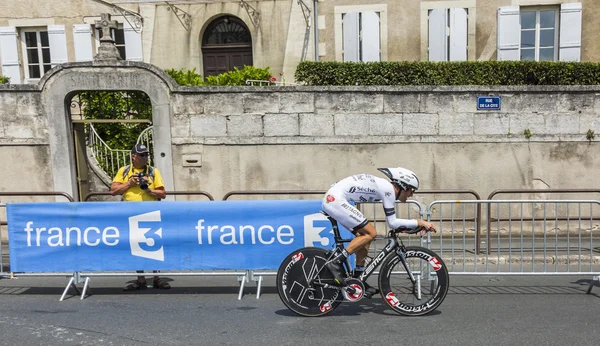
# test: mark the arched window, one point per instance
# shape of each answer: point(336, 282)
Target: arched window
point(227, 31)
point(227, 43)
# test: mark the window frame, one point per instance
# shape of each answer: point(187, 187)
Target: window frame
point(556, 41)
point(24, 50)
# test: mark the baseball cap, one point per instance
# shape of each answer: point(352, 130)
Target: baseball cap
point(139, 149)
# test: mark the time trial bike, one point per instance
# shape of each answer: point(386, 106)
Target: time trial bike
point(413, 280)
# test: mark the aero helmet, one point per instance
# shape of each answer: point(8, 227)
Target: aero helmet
point(401, 176)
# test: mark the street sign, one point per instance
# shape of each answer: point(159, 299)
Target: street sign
point(488, 103)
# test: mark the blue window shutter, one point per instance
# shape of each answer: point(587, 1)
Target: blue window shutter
point(350, 32)
point(82, 41)
point(509, 33)
point(133, 43)
point(9, 55)
point(370, 36)
point(458, 34)
point(438, 34)
point(570, 32)
point(58, 44)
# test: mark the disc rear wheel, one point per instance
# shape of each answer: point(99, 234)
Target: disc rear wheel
point(294, 283)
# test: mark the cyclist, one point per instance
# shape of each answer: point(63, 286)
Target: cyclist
point(367, 188)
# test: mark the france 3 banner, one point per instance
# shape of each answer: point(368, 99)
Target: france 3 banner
point(216, 235)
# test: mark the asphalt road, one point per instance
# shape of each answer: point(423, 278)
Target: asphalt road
point(206, 311)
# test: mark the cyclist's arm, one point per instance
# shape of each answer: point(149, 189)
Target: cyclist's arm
point(388, 197)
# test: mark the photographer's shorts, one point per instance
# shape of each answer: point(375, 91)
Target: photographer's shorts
point(343, 212)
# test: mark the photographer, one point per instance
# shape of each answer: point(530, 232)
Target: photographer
point(140, 182)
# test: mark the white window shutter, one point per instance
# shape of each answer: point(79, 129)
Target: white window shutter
point(509, 33)
point(458, 34)
point(58, 44)
point(133, 43)
point(370, 37)
point(570, 32)
point(438, 35)
point(9, 55)
point(82, 40)
point(350, 31)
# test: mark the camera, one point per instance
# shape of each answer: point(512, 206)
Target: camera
point(143, 182)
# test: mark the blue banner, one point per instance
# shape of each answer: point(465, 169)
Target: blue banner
point(216, 235)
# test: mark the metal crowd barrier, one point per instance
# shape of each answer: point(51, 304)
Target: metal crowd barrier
point(533, 191)
point(170, 193)
point(3, 256)
point(272, 193)
point(521, 237)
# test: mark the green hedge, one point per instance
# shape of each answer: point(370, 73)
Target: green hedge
point(231, 78)
point(448, 73)
point(4, 80)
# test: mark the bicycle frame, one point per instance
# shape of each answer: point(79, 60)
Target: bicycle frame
point(392, 245)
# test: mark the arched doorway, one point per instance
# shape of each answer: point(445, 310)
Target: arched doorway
point(227, 43)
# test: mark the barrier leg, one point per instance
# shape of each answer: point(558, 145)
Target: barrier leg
point(258, 286)
point(242, 280)
point(75, 279)
point(67, 288)
point(85, 287)
point(594, 282)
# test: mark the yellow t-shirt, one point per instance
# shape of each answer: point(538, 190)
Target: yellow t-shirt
point(135, 193)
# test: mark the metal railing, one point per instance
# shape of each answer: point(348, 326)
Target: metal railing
point(272, 193)
point(110, 160)
point(559, 240)
point(491, 219)
point(172, 193)
point(145, 138)
point(258, 82)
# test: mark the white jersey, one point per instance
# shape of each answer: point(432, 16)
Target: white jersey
point(362, 188)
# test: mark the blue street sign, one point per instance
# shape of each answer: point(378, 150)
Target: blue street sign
point(488, 103)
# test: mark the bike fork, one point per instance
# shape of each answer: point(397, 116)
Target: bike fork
point(416, 282)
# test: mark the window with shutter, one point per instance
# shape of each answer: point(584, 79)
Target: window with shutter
point(448, 34)
point(361, 36)
point(36, 53)
point(539, 34)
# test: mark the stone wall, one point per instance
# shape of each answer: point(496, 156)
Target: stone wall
point(309, 137)
point(253, 138)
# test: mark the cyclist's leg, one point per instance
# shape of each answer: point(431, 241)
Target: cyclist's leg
point(363, 237)
point(361, 255)
point(351, 218)
point(366, 236)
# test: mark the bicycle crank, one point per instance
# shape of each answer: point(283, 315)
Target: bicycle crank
point(354, 290)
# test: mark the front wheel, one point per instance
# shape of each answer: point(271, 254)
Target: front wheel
point(296, 280)
point(424, 296)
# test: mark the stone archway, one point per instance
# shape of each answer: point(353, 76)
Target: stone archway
point(59, 84)
point(227, 43)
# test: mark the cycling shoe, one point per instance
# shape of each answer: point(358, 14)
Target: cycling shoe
point(337, 270)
